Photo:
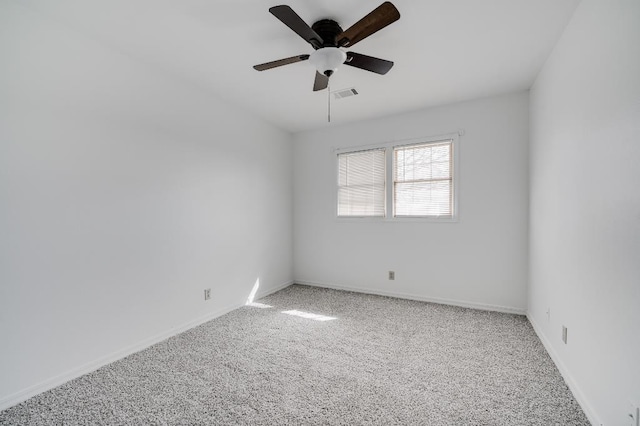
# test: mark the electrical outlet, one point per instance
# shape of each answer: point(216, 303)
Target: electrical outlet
point(392, 275)
point(633, 415)
point(207, 293)
point(564, 334)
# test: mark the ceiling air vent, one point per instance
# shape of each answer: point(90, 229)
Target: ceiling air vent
point(344, 93)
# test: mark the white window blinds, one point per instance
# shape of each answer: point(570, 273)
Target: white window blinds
point(361, 183)
point(423, 180)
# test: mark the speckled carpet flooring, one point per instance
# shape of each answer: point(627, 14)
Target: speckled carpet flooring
point(381, 361)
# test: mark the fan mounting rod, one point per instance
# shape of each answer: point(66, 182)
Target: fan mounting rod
point(328, 29)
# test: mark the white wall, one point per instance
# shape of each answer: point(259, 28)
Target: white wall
point(123, 194)
point(480, 260)
point(585, 206)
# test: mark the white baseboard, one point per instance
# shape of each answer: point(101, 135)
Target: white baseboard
point(569, 380)
point(461, 303)
point(74, 373)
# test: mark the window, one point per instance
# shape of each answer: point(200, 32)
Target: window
point(395, 181)
point(423, 180)
point(361, 183)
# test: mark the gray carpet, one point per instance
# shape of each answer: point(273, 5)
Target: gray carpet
point(381, 361)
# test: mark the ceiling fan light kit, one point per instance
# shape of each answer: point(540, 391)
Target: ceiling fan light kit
point(327, 60)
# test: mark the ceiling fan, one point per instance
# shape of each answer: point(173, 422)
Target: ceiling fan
point(327, 38)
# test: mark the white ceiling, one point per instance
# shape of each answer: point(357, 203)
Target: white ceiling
point(444, 50)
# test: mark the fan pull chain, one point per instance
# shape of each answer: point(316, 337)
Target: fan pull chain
point(329, 101)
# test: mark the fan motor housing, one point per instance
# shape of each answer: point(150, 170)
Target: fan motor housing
point(328, 29)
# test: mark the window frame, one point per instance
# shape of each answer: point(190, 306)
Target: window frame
point(389, 148)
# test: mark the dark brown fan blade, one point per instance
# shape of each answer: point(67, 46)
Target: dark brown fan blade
point(379, 18)
point(321, 82)
point(369, 63)
point(281, 62)
point(295, 22)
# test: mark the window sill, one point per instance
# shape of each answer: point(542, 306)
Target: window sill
point(417, 219)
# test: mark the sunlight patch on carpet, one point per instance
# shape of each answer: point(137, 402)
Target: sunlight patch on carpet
point(259, 305)
point(309, 315)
